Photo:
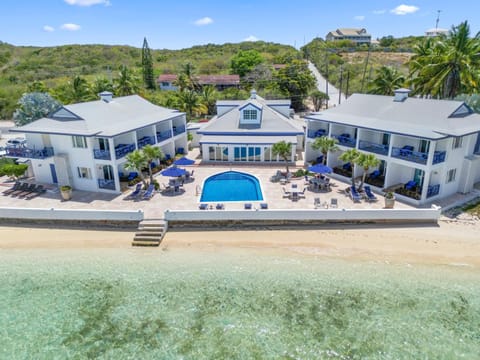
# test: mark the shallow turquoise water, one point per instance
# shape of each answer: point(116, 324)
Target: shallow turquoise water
point(136, 303)
point(231, 186)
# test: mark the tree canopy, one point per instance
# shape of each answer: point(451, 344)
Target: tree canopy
point(245, 61)
point(295, 81)
point(33, 106)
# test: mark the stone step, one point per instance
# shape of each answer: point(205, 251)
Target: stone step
point(145, 243)
point(149, 233)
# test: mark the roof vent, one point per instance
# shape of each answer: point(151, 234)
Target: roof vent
point(253, 94)
point(106, 96)
point(401, 94)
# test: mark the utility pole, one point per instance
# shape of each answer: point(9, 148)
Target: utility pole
point(340, 89)
point(438, 19)
point(326, 75)
point(348, 81)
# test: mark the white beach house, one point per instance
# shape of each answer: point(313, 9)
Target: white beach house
point(429, 149)
point(84, 145)
point(245, 131)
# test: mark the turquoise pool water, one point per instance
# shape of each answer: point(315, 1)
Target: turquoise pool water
point(184, 304)
point(231, 186)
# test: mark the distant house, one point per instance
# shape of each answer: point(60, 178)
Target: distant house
point(428, 149)
point(84, 145)
point(436, 32)
point(221, 82)
point(245, 131)
point(356, 35)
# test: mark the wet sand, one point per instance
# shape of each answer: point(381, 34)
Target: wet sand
point(452, 242)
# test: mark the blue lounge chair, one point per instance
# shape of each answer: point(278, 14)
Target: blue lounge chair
point(411, 185)
point(375, 174)
point(354, 194)
point(136, 192)
point(220, 206)
point(149, 193)
point(203, 206)
point(407, 150)
point(132, 175)
point(263, 206)
point(247, 206)
point(369, 195)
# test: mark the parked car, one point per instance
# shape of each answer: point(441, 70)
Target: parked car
point(16, 142)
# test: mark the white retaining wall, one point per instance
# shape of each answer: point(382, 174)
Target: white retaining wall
point(321, 215)
point(70, 214)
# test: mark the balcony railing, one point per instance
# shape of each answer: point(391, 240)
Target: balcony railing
point(163, 135)
point(101, 154)
point(28, 153)
point(345, 140)
point(146, 140)
point(433, 190)
point(106, 184)
point(409, 155)
point(312, 134)
point(439, 157)
point(177, 130)
point(373, 147)
point(123, 149)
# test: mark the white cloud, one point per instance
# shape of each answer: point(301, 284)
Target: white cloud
point(203, 21)
point(70, 27)
point(379, 12)
point(251, 38)
point(405, 9)
point(359, 17)
point(48, 28)
point(87, 2)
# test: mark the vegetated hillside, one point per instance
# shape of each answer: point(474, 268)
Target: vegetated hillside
point(21, 65)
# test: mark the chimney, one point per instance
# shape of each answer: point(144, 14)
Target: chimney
point(253, 94)
point(401, 94)
point(106, 96)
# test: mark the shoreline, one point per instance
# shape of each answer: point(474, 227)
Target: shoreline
point(449, 243)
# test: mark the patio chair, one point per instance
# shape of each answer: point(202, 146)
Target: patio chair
point(302, 193)
point(369, 196)
point(285, 192)
point(21, 189)
point(411, 185)
point(294, 196)
point(40, 189)
point(264, 206)
point(31, 188)
point(247, 206)
point(406, 150)
point(333, 202)
point(136, 191)
point(149, 193)
point(15, 187)
point(203, 206)
point(132, 175)
point(220, 206)
point(317, 203)
point(347, 166)
point(373, 175)
point(354, 194)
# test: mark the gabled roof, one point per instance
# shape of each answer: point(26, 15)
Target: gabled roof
point(101, 118)
point(272, 122)
point(425, 118)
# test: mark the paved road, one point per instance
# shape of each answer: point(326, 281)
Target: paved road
point(321, 85)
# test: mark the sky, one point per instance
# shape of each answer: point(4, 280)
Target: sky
point(177, 24)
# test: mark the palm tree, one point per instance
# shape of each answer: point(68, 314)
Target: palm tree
point(350, 156)
point(386, 81)
point(284, 150)
point(187, 79)
point(366, 161)
point(449, 65)
point(209, 97)
point(99, 85)
point(152, 153)
point(318, 98)
point(126, 83)
point(136, 161)
point(325, 144)
point(79, 89)
point(190, 102)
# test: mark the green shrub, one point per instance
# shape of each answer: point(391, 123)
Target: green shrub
point(13, 170)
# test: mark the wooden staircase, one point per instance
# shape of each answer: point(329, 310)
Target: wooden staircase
point(150, 233)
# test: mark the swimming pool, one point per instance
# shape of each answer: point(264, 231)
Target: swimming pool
point(231, 186)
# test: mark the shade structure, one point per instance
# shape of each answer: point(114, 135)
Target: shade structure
point(174, 172)
point(320, 169)
point(184, 161)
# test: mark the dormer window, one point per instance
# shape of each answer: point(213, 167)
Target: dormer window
point(250, 114)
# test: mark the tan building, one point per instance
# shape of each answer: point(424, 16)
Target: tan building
point(356, 35)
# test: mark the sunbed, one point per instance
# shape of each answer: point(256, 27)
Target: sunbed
point(354, 194)
point(135, 192)
point(31, 188)
point(149, 193)
point(369, 195)
point(21, 189)
point(36, 192)
point(15, 187)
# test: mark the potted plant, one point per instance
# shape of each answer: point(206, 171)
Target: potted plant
point(389, 200)
point(66, 192)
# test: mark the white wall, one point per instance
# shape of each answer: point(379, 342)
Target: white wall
point(70, 214)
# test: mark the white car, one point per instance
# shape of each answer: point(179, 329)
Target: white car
point(16, 142)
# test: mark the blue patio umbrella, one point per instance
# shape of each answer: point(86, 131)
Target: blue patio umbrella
point(174, 172)
point(184, 161)
point(320, 169)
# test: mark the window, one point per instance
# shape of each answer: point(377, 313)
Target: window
point(84, 173)
point(79, 141)
point(250, 114)
point(451, 175)
point(457, 142)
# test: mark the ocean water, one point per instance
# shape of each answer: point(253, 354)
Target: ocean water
point(182, 304)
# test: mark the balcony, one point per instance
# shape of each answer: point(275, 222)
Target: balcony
point(177, 130)
point(439, 157)
point(407, 153)
point(433, 190)
point(106, 184)
point(164, 135)
point(346, 140)
point(28, 153)
point(123, 149)
point(146, 140)
point(373, 147)
point(312, 134)
point(101, 154)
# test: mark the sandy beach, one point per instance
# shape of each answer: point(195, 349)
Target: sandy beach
point(450, 243)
